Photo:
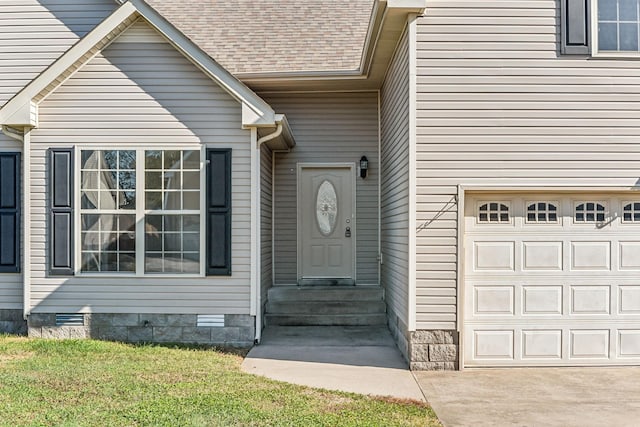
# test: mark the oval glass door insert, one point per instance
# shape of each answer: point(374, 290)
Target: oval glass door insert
point(326, 208)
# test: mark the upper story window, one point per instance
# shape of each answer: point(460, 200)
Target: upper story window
point(493, 212)
point(618, 25)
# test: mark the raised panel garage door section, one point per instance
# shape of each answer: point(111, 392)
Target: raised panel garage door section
point(551, 279)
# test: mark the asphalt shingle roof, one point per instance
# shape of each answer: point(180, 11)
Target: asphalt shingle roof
point(246, 36)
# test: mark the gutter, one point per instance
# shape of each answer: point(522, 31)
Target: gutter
point(25, 138)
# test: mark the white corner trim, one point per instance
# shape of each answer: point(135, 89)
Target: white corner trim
point(460, 273)
point(413, 87)
point(17, 104)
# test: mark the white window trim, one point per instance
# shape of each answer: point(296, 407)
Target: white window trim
point(595, 51)
point(140, 212)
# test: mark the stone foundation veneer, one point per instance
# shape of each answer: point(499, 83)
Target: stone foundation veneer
point(433, 350)
point(238, 330)
point(12, 322)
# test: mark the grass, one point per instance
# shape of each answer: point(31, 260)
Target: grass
point(94, 383)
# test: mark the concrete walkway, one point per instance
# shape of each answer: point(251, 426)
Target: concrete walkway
point(352, 358)
point(535, 396)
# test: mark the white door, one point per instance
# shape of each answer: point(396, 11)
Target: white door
point(326, 224)
point(552, 279)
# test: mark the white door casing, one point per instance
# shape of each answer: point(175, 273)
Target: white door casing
point(326, 223)
point(551, 286)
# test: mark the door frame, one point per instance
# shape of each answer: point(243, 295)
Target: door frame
point(325, 165)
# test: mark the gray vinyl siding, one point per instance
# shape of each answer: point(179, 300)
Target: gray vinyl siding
point(394, 187)
point(11, 283)
point(266, 229)
point(498, 105)
point(34, 33)
point(328, 127)
point(142, 93)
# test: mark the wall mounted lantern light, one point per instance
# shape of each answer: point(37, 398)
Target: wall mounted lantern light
point(364, 165)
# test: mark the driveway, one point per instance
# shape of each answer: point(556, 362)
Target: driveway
point(535, 396)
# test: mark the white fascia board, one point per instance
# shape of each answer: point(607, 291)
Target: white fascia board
point(16, 108)
point(255, 111)
point(410, 6)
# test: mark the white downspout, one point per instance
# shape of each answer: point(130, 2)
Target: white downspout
point(25, 139)
point(255, 222)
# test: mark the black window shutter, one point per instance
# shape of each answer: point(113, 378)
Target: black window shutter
point(575, 27)
point(218, 212)
point(61, 226)
point(9, 212)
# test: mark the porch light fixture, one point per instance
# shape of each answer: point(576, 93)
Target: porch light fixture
point(364, 165)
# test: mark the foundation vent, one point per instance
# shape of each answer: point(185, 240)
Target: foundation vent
point(211, 320)
point(69, 319)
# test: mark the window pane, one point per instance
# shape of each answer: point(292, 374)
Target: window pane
point(172, 201)
point(608, 36)
point(191, 200)
point(191, 160)
point(607, 10)
point(153, 180)
point(153, 159)
point(629, 37)
point(191, 223)
point(127, 262)
point(172, 180)
point(127, 160)
point(628, 10)
point(172, 159)
point(127, 180)
point(153, 200)
point(191, 180)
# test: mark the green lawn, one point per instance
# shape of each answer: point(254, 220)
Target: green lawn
point(84, 382)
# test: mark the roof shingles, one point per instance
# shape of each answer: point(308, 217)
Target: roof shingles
point(292, 36)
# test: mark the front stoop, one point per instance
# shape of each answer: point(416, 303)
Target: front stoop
point(325, 306)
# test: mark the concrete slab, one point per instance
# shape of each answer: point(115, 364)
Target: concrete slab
point(535, 396)
point(354, 359)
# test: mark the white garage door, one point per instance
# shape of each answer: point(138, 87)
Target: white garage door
point(552, 279)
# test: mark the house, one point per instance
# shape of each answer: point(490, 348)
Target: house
point(464, 172)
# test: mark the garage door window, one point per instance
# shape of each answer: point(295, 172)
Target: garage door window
point(493, 212)
point(631, 212)
point(589, 212)
point(542, 213)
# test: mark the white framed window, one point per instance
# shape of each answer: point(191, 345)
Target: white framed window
point(542, 213)
point(493, 213)
point(616, 27)
point(141, 211)
point(589, 212)
point(631, 212)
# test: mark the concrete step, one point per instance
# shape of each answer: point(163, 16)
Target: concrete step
point(325, 320)
point(325, 293)
point(326, 307)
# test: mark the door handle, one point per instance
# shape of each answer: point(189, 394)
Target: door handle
point(347, 232)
